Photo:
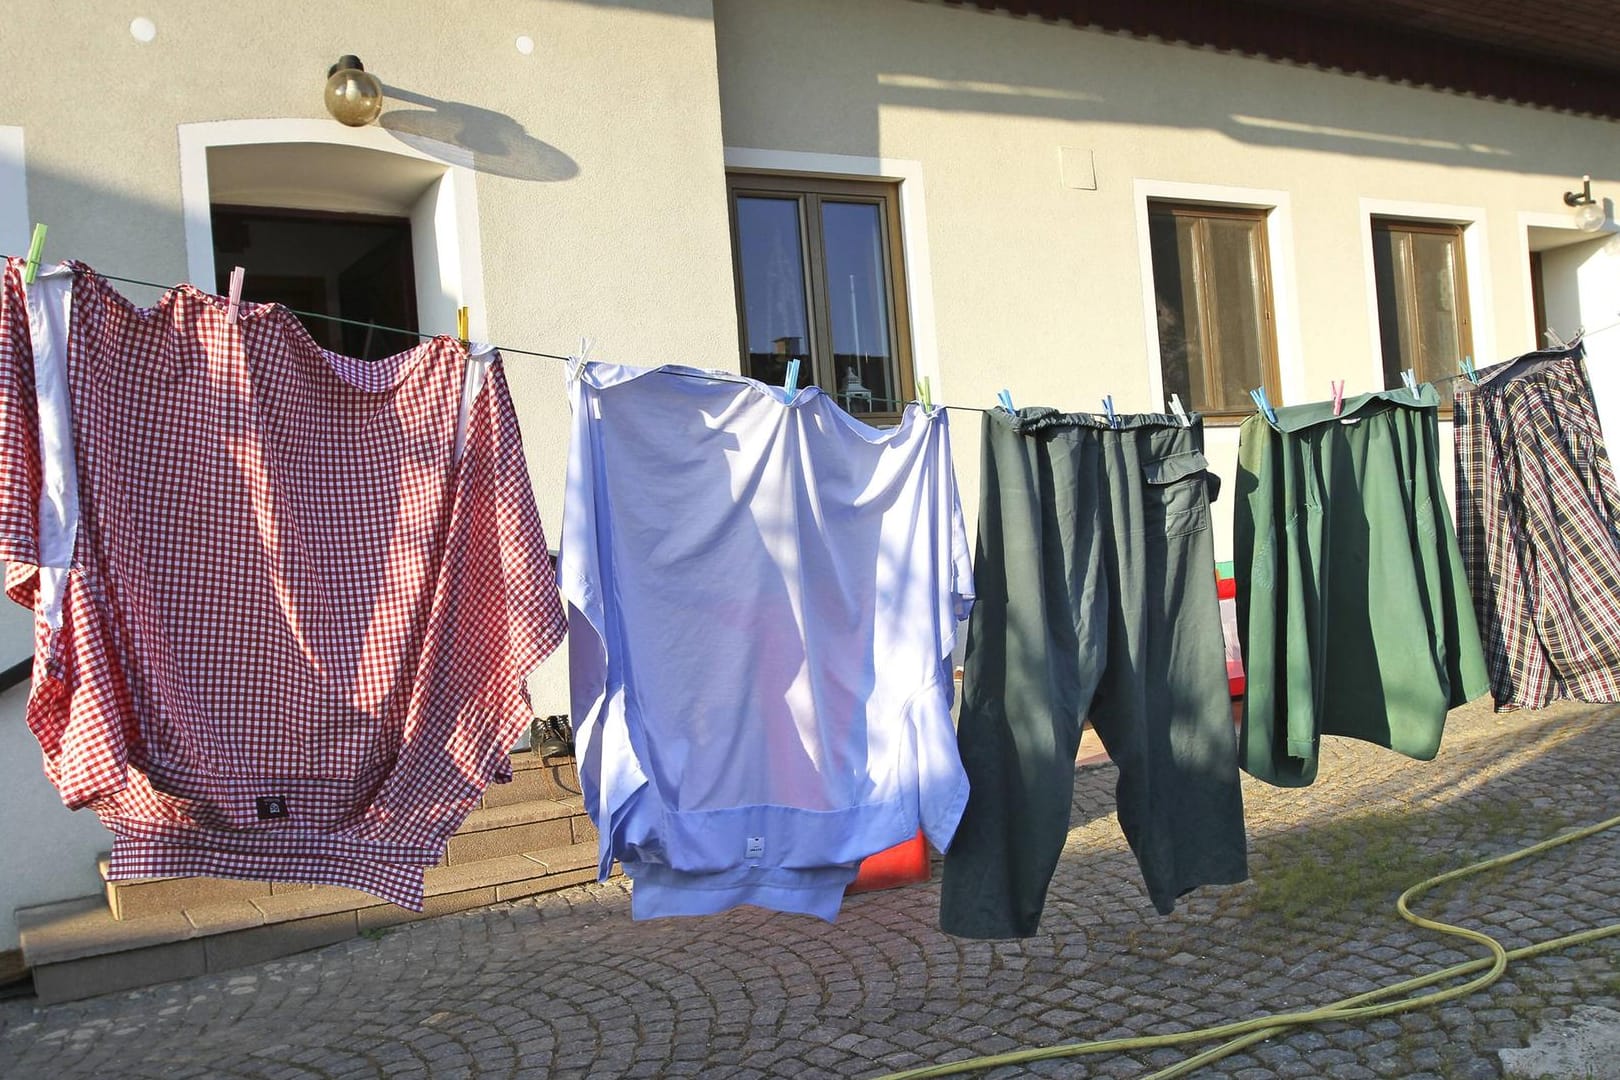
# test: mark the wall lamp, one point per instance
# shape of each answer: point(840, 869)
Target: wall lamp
point(1589, 214)
point(353, 95)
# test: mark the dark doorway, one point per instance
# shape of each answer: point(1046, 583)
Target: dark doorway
point(353, 266)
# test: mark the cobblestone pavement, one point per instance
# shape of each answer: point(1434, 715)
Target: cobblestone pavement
point(567, 985)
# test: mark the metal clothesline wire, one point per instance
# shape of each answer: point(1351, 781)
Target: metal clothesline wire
point(1580, 335)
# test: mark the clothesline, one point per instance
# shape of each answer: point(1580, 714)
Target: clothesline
point(1580, 335)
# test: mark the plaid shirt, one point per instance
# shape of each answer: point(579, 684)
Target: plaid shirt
point(1538, 518)
point(305, 594)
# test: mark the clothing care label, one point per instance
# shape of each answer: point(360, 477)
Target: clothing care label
point(756, 848)
point(271, 807)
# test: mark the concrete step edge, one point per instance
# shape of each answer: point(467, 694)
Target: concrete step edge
point(84, 927)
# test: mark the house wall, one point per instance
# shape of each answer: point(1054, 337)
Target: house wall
point(600, 203)
point(1038, 287)
point(598, 166)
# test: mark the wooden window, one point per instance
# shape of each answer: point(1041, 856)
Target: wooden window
point(352, 266)
point(1422, 300)
point(1212, 284)
point(820, 278)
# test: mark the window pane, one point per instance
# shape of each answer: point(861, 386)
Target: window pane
point(1434, 273)
point(1232, 279)
point(1422, 320)
point(863, 368)
point(771, 255)
point(1176, 298)
point(1389, 276)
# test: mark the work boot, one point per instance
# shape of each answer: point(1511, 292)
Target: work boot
point(557, 738)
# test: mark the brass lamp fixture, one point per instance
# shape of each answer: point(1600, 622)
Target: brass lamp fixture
point(1589, 214)
point(353, 95)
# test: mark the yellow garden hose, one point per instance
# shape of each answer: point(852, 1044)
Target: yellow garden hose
point(1247, 1032)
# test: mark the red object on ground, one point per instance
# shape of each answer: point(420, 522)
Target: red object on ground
point(904, 864)
point(1226, 589)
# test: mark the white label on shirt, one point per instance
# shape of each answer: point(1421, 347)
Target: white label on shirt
point(756, 847)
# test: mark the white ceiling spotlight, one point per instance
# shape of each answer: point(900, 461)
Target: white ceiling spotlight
point(525, 44)
point(142, 29)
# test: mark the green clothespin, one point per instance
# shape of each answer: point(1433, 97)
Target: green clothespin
point(927, 398)
point(36, 248)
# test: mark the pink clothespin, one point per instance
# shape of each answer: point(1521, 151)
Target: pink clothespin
point(238, 275)
point(1338, 395)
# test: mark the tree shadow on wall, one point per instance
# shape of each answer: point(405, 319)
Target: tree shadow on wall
point(473, 137)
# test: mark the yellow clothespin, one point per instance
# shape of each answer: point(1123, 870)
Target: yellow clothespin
point(461, 324)
point(36, 248)
point(922, 392)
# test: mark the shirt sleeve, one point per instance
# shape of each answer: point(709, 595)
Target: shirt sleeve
point(19, 442)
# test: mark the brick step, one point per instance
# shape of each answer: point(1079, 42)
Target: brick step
point(549, 816)
point(77, 949)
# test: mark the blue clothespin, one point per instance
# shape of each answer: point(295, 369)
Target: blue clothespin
point(1262, 401)
point(790, 381)
point(1468, 369)
point(36, 248)
point(1006, 401)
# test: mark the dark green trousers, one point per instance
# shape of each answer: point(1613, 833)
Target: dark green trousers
point(1353, 607)
point(1095, 575)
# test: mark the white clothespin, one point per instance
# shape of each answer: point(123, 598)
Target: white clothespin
point(1553, 339)
point(233, 304)
point(576, 363)
point(1178, 411)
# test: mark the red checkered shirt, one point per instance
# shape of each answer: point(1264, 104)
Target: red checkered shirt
point(304, 596)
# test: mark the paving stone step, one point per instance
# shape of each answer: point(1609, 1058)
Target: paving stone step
point(77, 949)
point(548, 815)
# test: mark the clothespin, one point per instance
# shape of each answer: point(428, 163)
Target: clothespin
point(36, 248)
point(923, 394)
point(790, 381)
point(1006, 400)
point(1409, 380)
point(1178, 411)
point(577, 362)
point(1108, 407)
point(461, 324)
point(234, 300)
point(1466, 366)
point(1262, 401)
point(1553, 339)
point(1337, 386)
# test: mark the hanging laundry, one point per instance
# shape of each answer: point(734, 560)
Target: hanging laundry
point(765, 595)
point(285, 601)
point(1352, 602)
point(1538, 514)
point(1096, 571)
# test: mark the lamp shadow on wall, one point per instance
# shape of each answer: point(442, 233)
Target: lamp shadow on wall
point(480, 139)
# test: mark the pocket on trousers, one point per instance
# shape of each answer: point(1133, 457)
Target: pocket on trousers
point(1174, 496)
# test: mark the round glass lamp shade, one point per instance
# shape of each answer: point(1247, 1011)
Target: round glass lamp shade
point(353, 95)
point(1589, 217)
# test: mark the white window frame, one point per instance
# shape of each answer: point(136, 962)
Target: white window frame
point(15, 230)
point(1476, 261)
point(445, 236)
point(913, 232)
point(1279, 253)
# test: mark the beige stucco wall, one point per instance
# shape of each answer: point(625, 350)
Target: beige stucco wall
point(1037, 286)
point(614, 228)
